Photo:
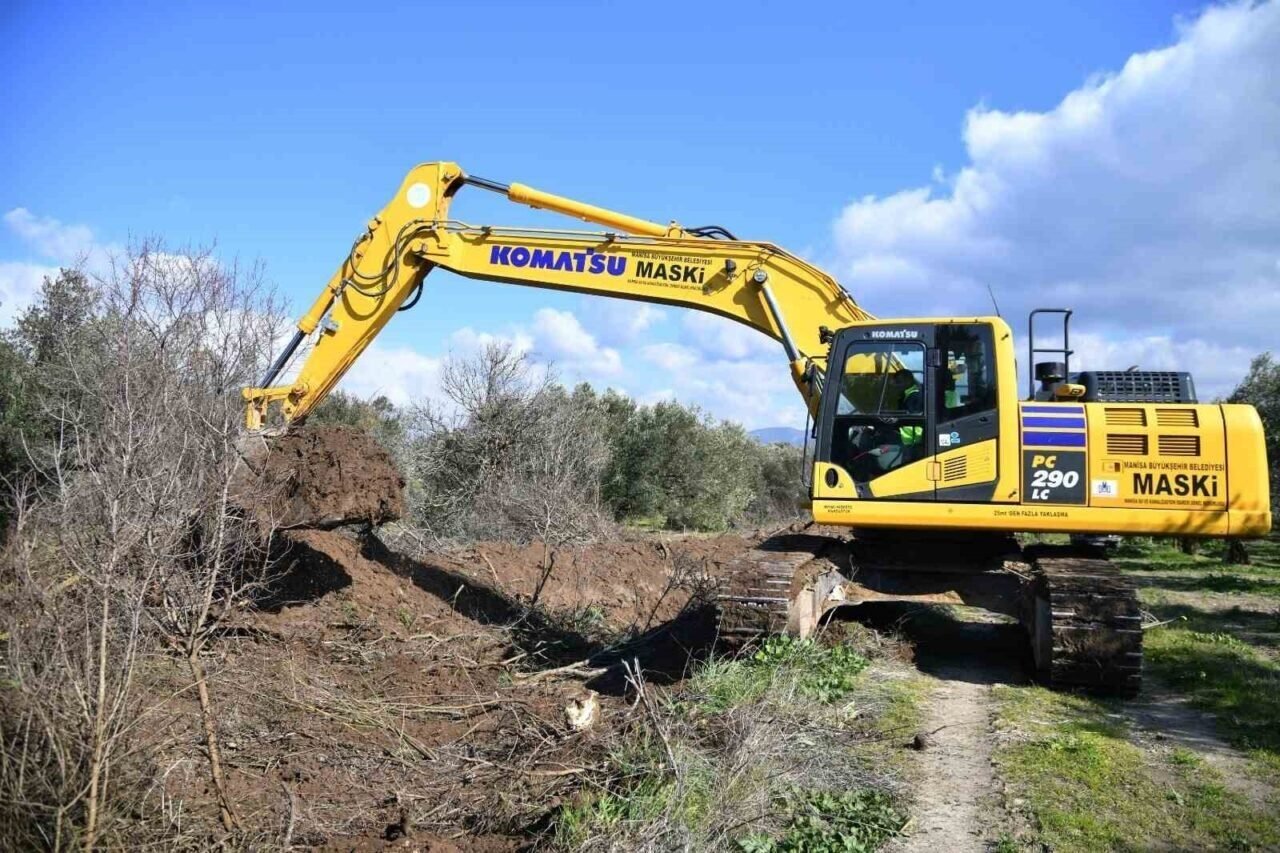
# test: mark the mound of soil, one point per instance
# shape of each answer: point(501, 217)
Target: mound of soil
point(629, 585)
point(383, 701)
point(611, 587)
point(321, 477)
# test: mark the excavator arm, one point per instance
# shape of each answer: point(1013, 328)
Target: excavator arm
point(706, 269)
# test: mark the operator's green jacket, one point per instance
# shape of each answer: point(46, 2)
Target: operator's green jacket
point(911, 435)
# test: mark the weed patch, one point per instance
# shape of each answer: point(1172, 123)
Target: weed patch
point(822, 821)
point(783, 665)
point(758, 753)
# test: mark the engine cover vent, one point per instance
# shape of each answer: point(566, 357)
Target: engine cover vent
point(1178, 445)
point(1126, 445)
point(1177, 418)
point(1136, 386)
point(1126, 417)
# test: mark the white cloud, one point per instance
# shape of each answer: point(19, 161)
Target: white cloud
point(50, 237)
point(659, 395)
point(720, 337)
point(19, 286)
point(559, 337)
point(468, 341)
point(403, 375)
point(65, 245)
point(1146, 199)
point(620, 322)
point(1216, 367)
point(669, 356)
point(755, 392)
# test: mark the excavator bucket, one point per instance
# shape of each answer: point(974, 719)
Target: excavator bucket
point(317, 477)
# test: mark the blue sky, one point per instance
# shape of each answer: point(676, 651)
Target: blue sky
point(920, 151)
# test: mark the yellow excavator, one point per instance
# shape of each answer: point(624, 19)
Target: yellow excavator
point(921, 447)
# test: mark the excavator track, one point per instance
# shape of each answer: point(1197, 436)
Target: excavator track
point(1081, 614)
point(1084, 620)
point(757, 590)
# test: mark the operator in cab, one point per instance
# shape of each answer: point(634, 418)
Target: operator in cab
point(892, 443)
point(909, 437)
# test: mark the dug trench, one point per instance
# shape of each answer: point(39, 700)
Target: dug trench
point(373, 696)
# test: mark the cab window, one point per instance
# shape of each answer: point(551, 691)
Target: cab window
point(880, 415)
point(882, 379)
point(967, 383)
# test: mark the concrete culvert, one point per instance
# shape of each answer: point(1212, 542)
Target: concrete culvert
point(319, 477)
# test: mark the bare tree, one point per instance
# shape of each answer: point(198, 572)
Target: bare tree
point(137, 516)
point(512, 455)
point(554, 497)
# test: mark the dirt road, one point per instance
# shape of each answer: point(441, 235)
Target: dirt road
point(954, 770)
point(966, 654)
point(1189, 764)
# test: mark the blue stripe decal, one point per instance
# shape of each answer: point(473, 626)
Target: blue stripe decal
point(1054, 423)
point(1055, 410)
point(1054, 439)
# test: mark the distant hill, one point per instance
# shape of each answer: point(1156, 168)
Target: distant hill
point(779, 435)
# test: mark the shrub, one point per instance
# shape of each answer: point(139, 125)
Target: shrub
point(128, 545)
point(510, 454)
point(1261, 389)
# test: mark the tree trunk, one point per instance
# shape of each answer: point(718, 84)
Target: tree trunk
point(99, 733)
point(548, 564)
point(227, 814)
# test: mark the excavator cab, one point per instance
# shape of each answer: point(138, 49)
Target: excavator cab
point(902, 397)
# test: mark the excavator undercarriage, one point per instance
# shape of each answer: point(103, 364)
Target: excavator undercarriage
point(1081, 615)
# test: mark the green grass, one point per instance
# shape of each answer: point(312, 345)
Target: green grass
point(1006, 843)
point(1083, 781)
point(903, 706)
point(640, 792)
point(1226, 657)
point(820, 673)
point(724, 683)
point(1261, 574)
point(830, 822)
point(1085, 785)
point(1224, 675)
point(776, 751)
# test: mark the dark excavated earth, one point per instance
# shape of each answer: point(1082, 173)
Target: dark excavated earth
point(320, 477)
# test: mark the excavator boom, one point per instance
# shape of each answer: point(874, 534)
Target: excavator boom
point(755, 283)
